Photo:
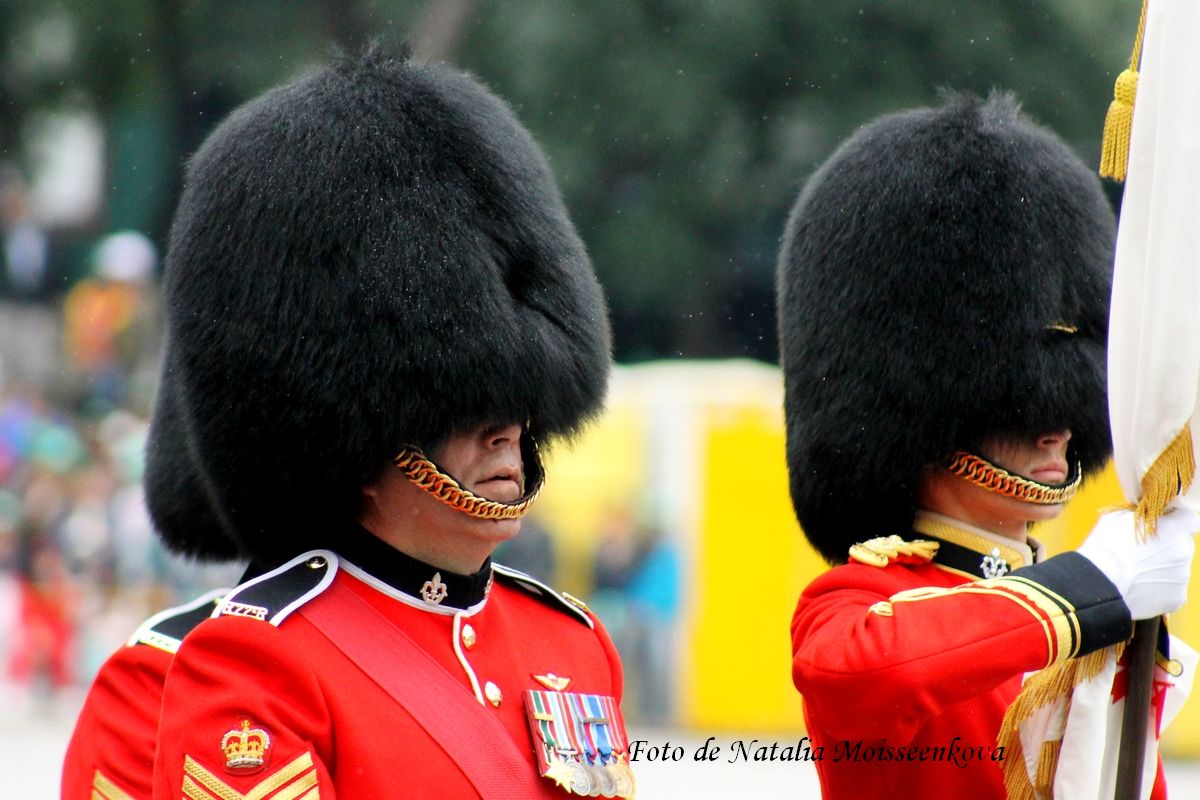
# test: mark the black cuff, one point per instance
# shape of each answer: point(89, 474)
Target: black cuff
point(1084, 592)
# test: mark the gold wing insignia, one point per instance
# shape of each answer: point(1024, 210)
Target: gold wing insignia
point(881, 551)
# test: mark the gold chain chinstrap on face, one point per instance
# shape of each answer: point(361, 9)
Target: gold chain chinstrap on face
point(425, 475)
point(987, 475)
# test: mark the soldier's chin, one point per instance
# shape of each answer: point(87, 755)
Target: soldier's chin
point(497, 531)
point(1040, 512)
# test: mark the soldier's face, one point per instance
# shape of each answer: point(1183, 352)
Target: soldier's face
point(486, 460)
point(1043, 459)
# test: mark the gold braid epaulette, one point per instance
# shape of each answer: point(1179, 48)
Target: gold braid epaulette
point(882, 550)
point(987, 475)
point(426, 476)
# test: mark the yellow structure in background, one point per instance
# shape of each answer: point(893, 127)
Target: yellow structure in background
point(698, 449)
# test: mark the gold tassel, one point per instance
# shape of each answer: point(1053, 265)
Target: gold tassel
point(1044, 688)
point(1168, 477)
point(1118, 123)
point(1047, 765)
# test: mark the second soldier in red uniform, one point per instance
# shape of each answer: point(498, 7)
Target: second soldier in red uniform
point(944, 284)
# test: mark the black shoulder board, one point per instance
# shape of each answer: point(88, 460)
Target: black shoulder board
point(275, 594)
point(531, 585)
point(166, 629)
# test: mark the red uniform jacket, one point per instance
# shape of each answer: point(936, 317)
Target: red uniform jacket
point(111, 753)
point(262, 679)
point(907, 668)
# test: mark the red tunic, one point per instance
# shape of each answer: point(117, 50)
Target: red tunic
point(111, 752)
point(332, 731)
point(907, 669)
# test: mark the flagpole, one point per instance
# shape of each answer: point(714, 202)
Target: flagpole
point(1134, 722)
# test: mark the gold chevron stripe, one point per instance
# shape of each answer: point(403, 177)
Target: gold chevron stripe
point(197, 776)
point(280, 777)
point(295, 789)
point(193, 791)
point(195, 784)
point(105, 789)
point(315, 794)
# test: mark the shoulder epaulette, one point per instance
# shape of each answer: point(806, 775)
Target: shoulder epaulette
point(884, 550)
point(272, 596)
point(531, 585)
point(166, 629)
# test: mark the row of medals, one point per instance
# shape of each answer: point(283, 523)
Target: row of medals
point(614, 779)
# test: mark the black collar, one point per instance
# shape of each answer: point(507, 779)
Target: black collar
point(428, 585)
point(971, 553)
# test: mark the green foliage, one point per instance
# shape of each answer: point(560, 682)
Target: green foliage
point(680, 130)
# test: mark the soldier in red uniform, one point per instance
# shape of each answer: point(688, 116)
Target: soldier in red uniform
point(377, 311)
point(111, 752)
point(944, 282)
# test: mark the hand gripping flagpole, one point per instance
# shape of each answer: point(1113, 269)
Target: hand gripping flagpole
point(1154, 331)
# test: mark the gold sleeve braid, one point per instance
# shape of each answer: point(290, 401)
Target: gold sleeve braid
point(1056, 616)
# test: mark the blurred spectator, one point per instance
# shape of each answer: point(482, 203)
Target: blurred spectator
point(653, 596)
point(636, 592)
point(42, 646)
point(28, 326)
point(26, 248)
point(531, 552)
point(110, 321)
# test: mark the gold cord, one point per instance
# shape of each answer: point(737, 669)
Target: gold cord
point(426, 475)
point(988, 476)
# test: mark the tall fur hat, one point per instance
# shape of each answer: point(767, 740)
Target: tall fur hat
point(372, 256)
point(943, 277)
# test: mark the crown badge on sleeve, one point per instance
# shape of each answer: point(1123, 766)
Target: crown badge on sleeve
point(245, 748)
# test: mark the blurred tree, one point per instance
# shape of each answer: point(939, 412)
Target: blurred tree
point(680, 129)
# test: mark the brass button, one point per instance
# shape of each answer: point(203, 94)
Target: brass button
point(316, 562)
point(492, 692)
point(468, 636)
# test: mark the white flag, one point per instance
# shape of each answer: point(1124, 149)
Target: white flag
point(1154, 333)
point(1153, 379)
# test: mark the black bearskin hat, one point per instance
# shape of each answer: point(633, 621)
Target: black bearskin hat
point(373, 256)
point(943, 277)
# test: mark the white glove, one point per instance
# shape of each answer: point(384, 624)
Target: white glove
point(1152, 576)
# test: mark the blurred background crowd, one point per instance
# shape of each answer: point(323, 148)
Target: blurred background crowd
point(79, 562)
point(679, 130)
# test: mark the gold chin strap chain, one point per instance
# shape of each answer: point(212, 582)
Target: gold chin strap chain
point(426, 476)
point(987, 475)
